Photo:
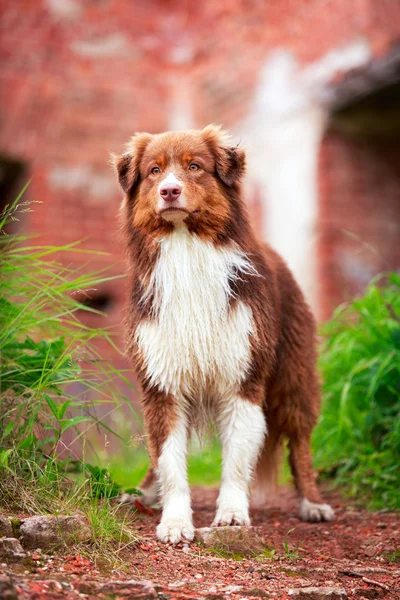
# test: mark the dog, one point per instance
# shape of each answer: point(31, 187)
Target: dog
point(217, 328)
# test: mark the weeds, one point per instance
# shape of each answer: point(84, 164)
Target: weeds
point(292, 553)
point(53, 380)
point(357, 442)
point(267, 553)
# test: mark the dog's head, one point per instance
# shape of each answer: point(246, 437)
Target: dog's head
point(180, 177)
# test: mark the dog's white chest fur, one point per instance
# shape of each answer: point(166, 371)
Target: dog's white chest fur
point(194, 344)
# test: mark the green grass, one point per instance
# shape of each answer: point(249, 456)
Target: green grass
point(357, 442)
point(45, 352)
point(267, 554)
point(291, 553)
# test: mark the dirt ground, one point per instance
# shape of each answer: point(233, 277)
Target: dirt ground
point(358, 551)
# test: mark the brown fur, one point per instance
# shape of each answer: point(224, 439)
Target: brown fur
point(283, 377)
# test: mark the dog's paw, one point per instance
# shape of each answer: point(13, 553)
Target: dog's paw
point(231, 516)
point(309, 511)
point(175, 530)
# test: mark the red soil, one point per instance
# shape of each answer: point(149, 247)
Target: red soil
point(354, 552)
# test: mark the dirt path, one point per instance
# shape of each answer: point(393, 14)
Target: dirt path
point(356, 552)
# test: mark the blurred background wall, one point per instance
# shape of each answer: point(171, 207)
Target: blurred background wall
point(310, 88)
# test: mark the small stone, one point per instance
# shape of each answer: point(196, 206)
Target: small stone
point(233, 589)
point(11, 549)
point(6, 529)
point(369, 593)
point(132, 588)
point(256, 593)
point(7, 589)
point(318, 593)
point(239, 540)
point(49, 532)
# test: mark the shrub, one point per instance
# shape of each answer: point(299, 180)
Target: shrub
point(357, 441)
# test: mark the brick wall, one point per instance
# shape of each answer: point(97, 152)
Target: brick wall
point(359, 217)
point(79, 76)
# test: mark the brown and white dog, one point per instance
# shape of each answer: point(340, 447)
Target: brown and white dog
point(217, 327)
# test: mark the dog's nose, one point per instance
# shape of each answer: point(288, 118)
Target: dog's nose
point(170, 191)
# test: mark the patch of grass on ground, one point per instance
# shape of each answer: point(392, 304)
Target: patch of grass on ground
point(226, 554)
point(393, 557)
point(268, 554)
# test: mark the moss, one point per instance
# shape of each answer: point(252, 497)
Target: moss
point(227, 554)
point(393, 557)
point(16, 527)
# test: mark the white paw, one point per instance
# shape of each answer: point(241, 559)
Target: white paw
point(174, 530)
point(231, 516)
point(309, 511)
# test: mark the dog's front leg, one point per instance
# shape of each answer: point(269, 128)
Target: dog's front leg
point(242, 428)
point(167, 428)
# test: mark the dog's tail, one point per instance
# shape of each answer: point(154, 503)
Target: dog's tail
point(266, 475)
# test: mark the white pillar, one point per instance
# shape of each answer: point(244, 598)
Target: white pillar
point(282, 136)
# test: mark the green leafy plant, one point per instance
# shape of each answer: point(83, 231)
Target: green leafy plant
point(357, 442)
point(101, 483)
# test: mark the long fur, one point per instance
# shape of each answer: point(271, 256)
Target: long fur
point(194, 337)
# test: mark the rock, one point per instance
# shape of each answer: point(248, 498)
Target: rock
point(143, 590)
point(370, 593)
point(256, 593)
point(5, 527)
point(318, 593)
point(11, 549)
point(236, 540)
point(49, 532)
point(7, 589)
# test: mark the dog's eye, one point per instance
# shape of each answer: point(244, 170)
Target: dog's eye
point(193, 167)
point(155, 170)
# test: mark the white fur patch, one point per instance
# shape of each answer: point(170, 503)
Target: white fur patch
point(193, 342)
point(170, 180)
point(243, 428)
point(310, 511)
point(176, 520)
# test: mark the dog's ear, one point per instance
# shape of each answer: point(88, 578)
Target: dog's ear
point(127, 164)
point(230, 161)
